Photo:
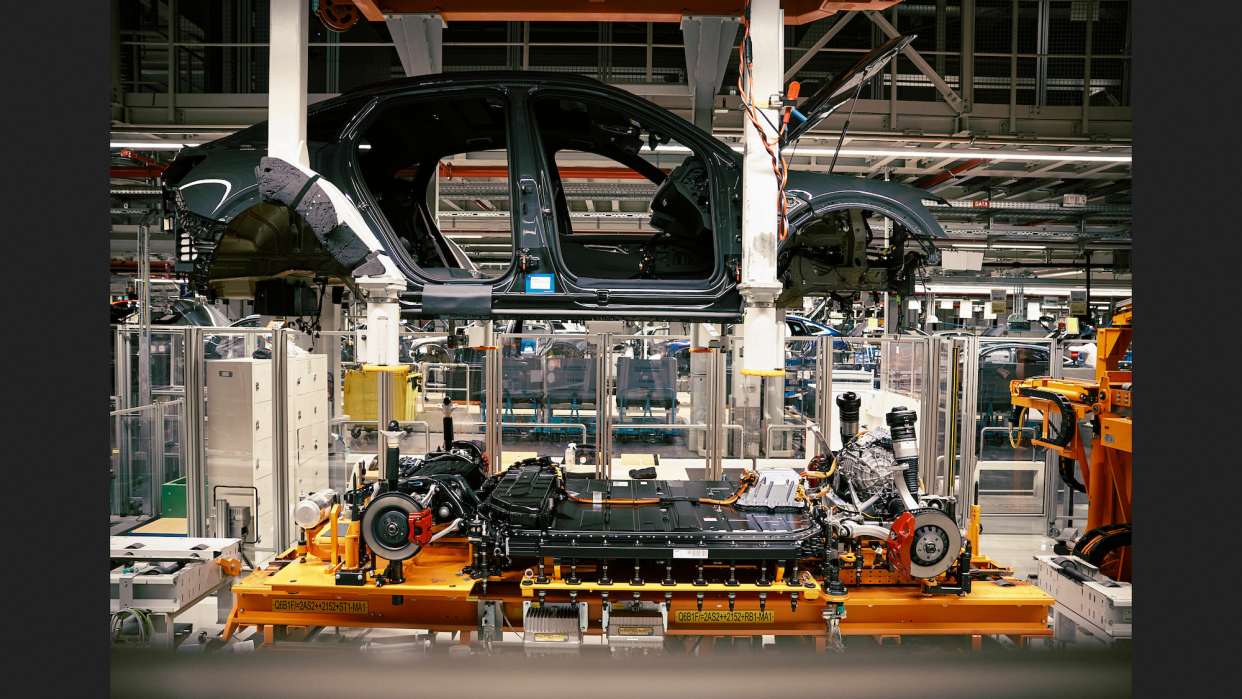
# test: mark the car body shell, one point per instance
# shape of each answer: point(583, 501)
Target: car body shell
point(215, 184)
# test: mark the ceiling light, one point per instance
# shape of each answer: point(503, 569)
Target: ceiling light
point(1062, 274)
point(153, 145)
point(935, 154)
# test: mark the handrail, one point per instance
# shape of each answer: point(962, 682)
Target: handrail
point(767, 435)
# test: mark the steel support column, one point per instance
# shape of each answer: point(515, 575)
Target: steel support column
point(1086, 71)
point(192, 439)
point(281, 476)
point(967, 85)
point(286, 92)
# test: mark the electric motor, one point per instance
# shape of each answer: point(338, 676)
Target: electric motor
point(867, 464)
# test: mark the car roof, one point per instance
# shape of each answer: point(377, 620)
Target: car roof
point(478, 76)
point(821, 326)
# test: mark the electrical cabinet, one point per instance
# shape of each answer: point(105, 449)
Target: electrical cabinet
point(240, 431)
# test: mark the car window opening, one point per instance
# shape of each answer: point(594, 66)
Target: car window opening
point(609, 163)
point(410, 149)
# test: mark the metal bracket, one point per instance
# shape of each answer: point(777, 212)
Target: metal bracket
point(487, 620)
point(125, 590)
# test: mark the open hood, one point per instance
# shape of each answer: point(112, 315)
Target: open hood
point(840, 90)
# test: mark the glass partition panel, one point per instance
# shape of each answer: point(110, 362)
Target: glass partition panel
point(174, 440)
point(856, 368)
point(435, 371)
point(548, 397)
point(136, 465)
point(903, 364)
point(1000, 363)
point(658, 402)
point(784, 428)
point(1011, 470)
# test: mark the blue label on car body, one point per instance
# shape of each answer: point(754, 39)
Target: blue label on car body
point(540, 284)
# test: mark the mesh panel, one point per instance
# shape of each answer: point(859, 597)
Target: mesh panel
point(1108, 77)
point(669, 66)
point(1028, 27)
point(1064, 81)
point(463, 58)
point(1110, 31)
point(227, 70)
point(1067, 30)
point(1026, 80)
point(993, 27)
point(992, 80)
point(356, 66)
point(479, 31)
point(564, 32)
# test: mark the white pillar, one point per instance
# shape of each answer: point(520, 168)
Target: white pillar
point(286, 81)
point(762, 353)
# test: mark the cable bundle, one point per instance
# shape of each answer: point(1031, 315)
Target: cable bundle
point(745, 85)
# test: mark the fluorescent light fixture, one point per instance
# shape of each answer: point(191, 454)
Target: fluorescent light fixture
point(935, 154)
point(1062, 274)
point(152, 145)
point(998, 247)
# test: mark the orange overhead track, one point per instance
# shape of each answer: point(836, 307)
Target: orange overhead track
point(796, 11)
point(465, 171)
point(948, 174)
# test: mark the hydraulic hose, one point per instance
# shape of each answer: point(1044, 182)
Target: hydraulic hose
point(1066, 434)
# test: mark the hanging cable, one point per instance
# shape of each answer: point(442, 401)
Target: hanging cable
point(745, 87)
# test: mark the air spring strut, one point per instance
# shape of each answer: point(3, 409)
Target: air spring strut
point(447, 409)
point(905, 447)
point(848, 407)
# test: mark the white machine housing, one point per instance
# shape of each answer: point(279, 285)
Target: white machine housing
point(1102, 607)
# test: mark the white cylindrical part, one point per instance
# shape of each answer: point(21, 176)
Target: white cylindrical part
point(383, 333)
point(313, 509)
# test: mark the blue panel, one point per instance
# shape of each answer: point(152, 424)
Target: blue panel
point(541, 283)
